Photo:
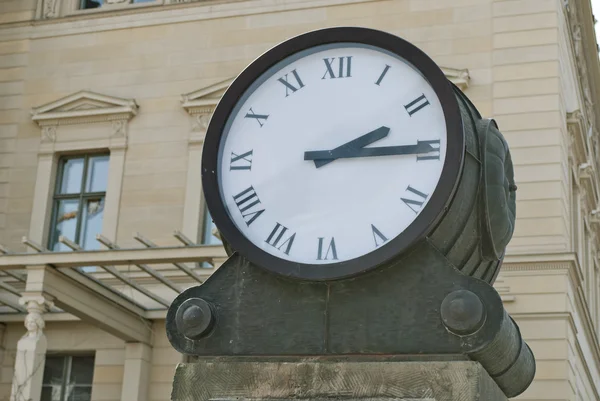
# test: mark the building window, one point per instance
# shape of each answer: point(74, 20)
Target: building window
point(68, 378)
point(209, 230)
point(88, 4)
point(79, 201)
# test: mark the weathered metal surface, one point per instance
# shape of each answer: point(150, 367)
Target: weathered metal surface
point(319, 379)
point(394, 310)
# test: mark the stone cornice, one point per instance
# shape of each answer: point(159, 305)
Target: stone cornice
point(84, 107)
point(204, 100)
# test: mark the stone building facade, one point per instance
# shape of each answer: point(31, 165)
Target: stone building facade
point(103, 108)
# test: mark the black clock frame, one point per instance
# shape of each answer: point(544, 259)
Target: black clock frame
point(425, 222)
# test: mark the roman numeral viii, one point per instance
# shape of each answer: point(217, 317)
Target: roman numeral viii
point(416, 105)
point(241, 162)
point(276, 237)
point(415, 199)
point(298, 84)
point(343, 67)
point(330, 249)
point(246, 201)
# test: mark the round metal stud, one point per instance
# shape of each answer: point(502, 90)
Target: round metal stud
point(194, 318)
point(462, 312)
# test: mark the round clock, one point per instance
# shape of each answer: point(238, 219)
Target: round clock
point(333, 153)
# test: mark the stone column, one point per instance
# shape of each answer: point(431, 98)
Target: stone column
point(136, 373)
point(31, 351)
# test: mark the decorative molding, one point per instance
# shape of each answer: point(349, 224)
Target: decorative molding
point(84, 107)
point(50, 8)
point(458, 77)
point(202, 102)
point(49, 133)
point(504, 290)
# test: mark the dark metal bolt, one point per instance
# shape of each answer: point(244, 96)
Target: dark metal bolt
point(462, 312)
point(194, 318)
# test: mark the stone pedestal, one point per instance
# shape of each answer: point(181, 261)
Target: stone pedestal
point(317, 379)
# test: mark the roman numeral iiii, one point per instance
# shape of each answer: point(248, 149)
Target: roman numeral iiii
point(247, 202)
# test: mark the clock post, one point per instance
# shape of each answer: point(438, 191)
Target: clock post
point(362, 246)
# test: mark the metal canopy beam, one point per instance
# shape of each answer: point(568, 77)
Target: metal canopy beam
point(89, 306)
point(114, 257)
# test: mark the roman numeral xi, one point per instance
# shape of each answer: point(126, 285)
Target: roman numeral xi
point(289, 86)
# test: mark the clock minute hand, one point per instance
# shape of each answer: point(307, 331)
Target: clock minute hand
point(357, 143)
point(420, 147)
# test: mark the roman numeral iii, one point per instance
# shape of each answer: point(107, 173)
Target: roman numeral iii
point(289, 86)
point(261, 118)
point(342, 66)
point(246, 202)
point(275, 239)
point(415, 199)
point(241, 162)
point(331, 250)
point(433, 155)
point(416, 105)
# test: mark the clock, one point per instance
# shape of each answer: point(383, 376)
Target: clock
point(333, 153)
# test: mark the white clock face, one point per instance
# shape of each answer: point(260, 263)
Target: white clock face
point(332, 153)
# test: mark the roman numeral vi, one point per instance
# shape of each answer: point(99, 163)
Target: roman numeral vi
point(331, 249)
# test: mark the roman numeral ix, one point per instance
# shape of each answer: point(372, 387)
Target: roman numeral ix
point(343, 64)
point(289, 86)
point(415, 201)
point(331, 249)
point(241, 162)
point(247, 200)
point(276, 236)
point(258, 117)
point(416, 105)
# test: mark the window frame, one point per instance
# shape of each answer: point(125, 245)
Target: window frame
point(80, 196)
point(67, 369)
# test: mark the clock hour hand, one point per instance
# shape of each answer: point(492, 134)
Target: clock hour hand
point(419, 148)
point(357, 143)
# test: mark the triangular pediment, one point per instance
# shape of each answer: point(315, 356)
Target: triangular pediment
point(205, 98)
point(84, 104)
